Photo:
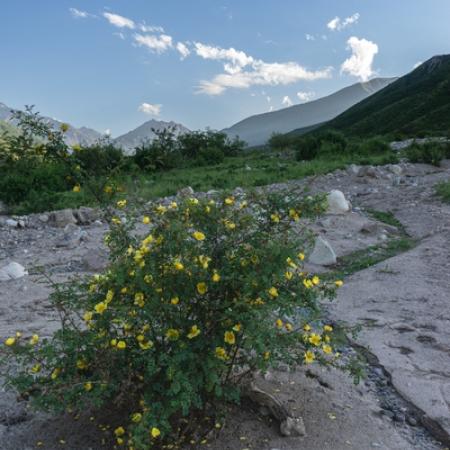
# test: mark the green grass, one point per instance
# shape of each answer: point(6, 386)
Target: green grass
point(443, 191)
point(388, 218)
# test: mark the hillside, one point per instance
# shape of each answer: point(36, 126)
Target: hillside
point(81, 136)
point(256, 130)
point(129, 141)
point(417, 103)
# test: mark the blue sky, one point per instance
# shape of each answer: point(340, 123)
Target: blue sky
point(113, 64)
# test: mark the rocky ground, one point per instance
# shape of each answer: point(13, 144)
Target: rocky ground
point(402, 301)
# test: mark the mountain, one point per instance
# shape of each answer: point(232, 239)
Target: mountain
point(256, 130)
point(129, 141)
point(417, 103)
point(81, 136)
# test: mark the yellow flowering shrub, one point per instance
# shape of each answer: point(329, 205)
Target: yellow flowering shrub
point(197, 294)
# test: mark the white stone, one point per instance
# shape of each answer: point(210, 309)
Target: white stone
point(12, 271)
point(322, 254)
point(337, 203)
point(12, 223)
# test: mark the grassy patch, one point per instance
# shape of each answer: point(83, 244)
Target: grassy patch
point(363, 259)
point(388, 218)
point(443, 190)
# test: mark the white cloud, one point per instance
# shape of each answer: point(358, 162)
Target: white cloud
point(119, 21)
point(287, 101)
point(243, 71)
point(305, 96)
point(150, 28)
point(148, 108)
point(158, 44)
point(183, 50)
point(417, 64)
point(337, 24)
point(77, 14)
point(309, 37)
point(360, 63)
point(120, 35)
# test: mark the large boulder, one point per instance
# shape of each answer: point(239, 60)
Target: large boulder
point(62, 218)
point(12, 271)
point(322, 254)
point(85, 215)
point(337, 203)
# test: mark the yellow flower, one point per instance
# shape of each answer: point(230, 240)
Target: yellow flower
point(146, 345)
point(230, 225)
point(195, 331)
point(175, 300)
point(328, 328)
point(293, 214)
point(309, 357)
point(221, 353)
point(155, 432)
point(288, 275)
point(146, 220)
point(243, 204)
point(229, 338)
point(237, 327)
point(327, 349)
point(173, 205)
point(55, 373)
point(107, 189)
point(315, 280)
point(136, 417)
point(10, 341)
point(81, 364)
point(193, 201)
point(202, 288)
point(338, 283)
point(172, 334)
point(229, 201)
point(76, 188)
point(116, 221)
point(120, 441)
point(148, 279)
point(121, 345)
point(273, 292)
point(315, 339)
point(288, 327)
point(178, 265)
point(216, 277)
point(275, 218)
point(307, 327)
point(113, 342)
point(139, 299)
point(121, 203)
point(88, 316)
point(266, 355)
point(88, 386)
point(36, 368)
point(119, 431)
point(101, 307)
point(279, 323)
point(204, 261)
point(160, 209)
point(308, 284)
point(109, 296)
point(198, 235)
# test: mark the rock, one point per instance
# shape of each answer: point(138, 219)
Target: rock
point(43, 218)
point(12, 271)
point(353, 169)
point(395, 169)
point(95, 261)
point(322, 254)
point(399, 417)
point(12, 223)
point(369, 227)
point(185, 192)
point(411, 421)
point(337, 203)
point(85, 216)
point(73, 235)
point(62, 218)
point(21, 223)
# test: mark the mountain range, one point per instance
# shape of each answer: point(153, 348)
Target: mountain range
point(417, 103)
point(256, 130)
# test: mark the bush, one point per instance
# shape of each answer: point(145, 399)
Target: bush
point(374, 146)
point(279, 142)
point(98, 159)
point(428, 153)
point(306, 148)
point(212, 291)
point(443, 190)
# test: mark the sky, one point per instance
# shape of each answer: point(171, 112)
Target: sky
point(113, 64)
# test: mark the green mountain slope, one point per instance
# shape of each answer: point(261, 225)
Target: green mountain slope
point(417, 103)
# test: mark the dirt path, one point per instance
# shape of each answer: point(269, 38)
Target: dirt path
point(403, 302)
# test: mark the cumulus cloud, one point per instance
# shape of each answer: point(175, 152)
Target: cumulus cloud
point(119, 21)
point(183, 50)
point(338, 24)
point(77, 14)
point(305, 96)
point(150, 28)
point(158, 44)
point(243, 71)
point(151, 110)
point(360, 62)
point(287, 101)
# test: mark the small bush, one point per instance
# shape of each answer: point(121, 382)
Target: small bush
point(428, 153)
point(443, 190)
point(212, 291)
point(306, 148)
